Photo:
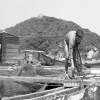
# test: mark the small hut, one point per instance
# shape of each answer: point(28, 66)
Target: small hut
point(30, 56)
point(9, 48)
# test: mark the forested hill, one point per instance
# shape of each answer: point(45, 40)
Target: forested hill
point(49, 32)
point(45, 26)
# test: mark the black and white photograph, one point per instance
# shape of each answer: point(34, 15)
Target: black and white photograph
point(49, 49)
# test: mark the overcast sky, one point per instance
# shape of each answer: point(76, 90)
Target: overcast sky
point(85, 13)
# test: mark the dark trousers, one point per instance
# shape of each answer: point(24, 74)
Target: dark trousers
point(66, 64)
point(76, 60)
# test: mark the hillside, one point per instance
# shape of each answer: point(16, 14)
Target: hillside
point(45, 26)
point(47, 32)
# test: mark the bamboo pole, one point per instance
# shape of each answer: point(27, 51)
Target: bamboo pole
point(67, 82)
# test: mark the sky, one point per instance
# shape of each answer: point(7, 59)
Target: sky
point(85, 13)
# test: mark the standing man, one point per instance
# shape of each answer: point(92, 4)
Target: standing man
point(71, 42)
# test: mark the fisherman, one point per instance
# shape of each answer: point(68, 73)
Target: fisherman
point(71, 42)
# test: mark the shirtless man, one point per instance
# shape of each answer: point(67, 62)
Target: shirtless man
point(71, 42)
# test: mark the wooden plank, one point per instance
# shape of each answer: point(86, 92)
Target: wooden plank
point(34, 95)
point(32, 79)
point(42, 80)
point(67, 83)
point(70, 82)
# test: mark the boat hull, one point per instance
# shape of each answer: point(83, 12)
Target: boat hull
point(76, 93)
point(52, 62)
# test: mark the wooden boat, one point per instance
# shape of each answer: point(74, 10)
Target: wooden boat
point(61, 93)
point(80, 90)
point(83, 90)
point(52, 62)
point(53, 94)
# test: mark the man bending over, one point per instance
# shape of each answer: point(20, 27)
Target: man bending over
point(71, 42)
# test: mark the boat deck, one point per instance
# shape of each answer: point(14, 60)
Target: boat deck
point(69, 87)
point(76, 87)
